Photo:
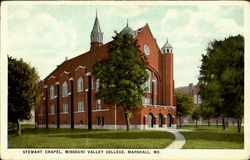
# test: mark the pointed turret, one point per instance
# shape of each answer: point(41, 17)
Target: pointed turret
point(96, 33)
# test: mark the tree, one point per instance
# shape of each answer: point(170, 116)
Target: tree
point(22, 91)
point(122, 75)
point(207, 112)
point(222, 74)
point(184, 105)
point(196, 114)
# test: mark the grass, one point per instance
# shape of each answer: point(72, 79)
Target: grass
point(81, 138)
point(205, 137)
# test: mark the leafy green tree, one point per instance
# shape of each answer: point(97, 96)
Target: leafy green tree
point(207, 112)
point(22, 91)
point(122, 75)
point(223, 68)
point(184, 105)
point(196, 114)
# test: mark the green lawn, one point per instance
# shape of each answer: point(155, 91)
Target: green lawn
point(205, 137)
point(81, 138)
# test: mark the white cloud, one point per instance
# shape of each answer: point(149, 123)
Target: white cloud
point(190, 31)
point(43, 40)
point(132, 10)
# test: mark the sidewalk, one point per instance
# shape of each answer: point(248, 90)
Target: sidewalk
point(179, 141)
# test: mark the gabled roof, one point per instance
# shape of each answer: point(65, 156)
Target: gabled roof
point(86, 59)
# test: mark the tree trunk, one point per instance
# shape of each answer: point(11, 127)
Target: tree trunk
point(18, 128)
point(180, 121)
point(223, 123)
point(127, 119)
point(196, 123)
point(239, 124)
point(217, 122)
point(208, 122)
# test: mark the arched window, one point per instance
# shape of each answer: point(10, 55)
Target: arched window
point(150, 120)
point(160, 120)
point(52, 92)
point(149, 81)
point(79, 84)
point(65, 89)
point(169, 120)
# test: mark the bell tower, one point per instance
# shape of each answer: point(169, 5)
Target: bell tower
point(96, 36)
point(168, 74)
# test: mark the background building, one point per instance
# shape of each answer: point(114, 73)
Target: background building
point(193, 92)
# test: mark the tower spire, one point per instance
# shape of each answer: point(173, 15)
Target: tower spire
point(96, 15)
point(96, 33)
point(127, 22)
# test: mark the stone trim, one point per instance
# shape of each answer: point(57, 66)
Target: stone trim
point(64, 72)
point(83, 67)
point(99, 110)
point(88, 74)
point(51, 77)
point(79, 112)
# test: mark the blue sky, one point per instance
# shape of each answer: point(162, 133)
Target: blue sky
point(44, 34)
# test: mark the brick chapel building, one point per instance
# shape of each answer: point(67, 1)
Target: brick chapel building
point(68, 92)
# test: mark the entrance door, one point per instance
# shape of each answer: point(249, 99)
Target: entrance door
point(150, 120)
point(160, 120)
point(169, 120)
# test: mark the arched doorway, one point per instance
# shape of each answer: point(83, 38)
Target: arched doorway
point(169, 120)
point(150, 120)
point(160, 120)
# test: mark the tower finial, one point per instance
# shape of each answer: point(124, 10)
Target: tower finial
point(95, 12)
point(127, 22)
point(167, 40)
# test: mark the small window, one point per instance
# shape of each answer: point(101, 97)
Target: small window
point(98, 121)
point(147, 101)
point(79, 84)
point(81, 123)
point(167, 50)
point(80, 106)
point(65, 108)
point(98, 104)
point(52, 109)
point(52, 92)
point(195, 99)
point(97, 84)
point(65, 89)
point(199, 99)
